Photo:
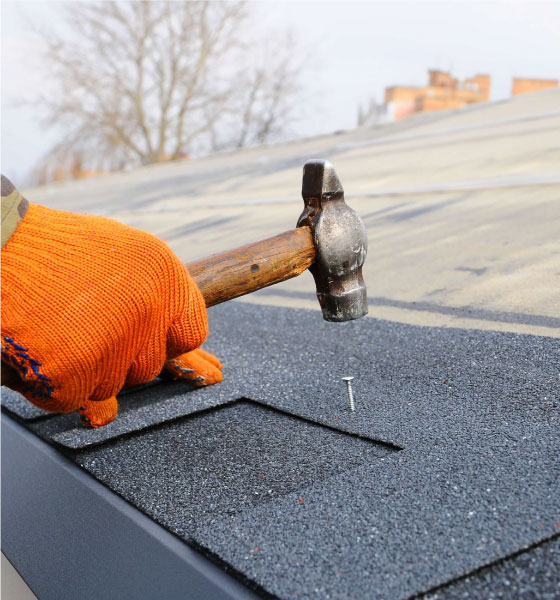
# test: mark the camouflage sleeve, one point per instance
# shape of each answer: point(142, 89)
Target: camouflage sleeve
point(14, 207)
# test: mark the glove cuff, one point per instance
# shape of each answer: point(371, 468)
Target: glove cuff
point(14, 207)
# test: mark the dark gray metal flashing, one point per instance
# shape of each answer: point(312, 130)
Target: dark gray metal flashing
point(71, 537)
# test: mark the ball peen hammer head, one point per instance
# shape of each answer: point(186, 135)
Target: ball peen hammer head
point(340, 242)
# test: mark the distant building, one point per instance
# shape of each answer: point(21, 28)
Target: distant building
point(526, 86)
point(442, 92)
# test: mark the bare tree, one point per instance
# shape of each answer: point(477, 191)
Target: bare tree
point(263, 101)
point(145, 82)
point(370, 114)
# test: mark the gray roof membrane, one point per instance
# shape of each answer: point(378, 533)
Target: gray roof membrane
point(475, 413)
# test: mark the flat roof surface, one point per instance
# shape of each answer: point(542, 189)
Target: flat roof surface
point(450, 463)
point(461, 209)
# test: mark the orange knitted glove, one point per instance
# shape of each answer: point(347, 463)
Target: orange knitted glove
point(90, 305)
point(198, 367)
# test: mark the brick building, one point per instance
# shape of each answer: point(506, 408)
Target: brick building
point(442, 92)
point(526, 85)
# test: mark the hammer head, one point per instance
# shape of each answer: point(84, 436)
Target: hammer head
point(340, 243)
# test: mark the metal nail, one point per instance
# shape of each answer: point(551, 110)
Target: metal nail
point(348, 381)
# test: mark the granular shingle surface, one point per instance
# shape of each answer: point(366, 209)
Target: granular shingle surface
point(531, 574)
point(476, 414)
point(224, 461)
point(17, 405)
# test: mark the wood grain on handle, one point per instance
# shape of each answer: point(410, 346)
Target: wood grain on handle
point(234, 273)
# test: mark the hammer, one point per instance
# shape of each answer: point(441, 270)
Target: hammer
point(330, 240)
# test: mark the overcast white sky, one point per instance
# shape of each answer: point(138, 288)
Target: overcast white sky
point(359, 48)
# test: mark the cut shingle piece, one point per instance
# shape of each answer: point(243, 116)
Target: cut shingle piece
point(159, 404)
point(223, 461)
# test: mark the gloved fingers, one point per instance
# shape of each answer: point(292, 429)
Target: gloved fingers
point(211, 358)
point(96, 413)
point(195, 367)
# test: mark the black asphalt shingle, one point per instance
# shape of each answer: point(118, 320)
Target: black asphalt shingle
point(476, 415)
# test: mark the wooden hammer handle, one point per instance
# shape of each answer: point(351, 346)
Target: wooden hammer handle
point(241, 271)
point(244, 270)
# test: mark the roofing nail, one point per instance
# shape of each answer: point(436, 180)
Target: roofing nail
point(349, 390)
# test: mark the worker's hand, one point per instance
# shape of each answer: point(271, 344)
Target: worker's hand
point(89, 306)
point(198, 367)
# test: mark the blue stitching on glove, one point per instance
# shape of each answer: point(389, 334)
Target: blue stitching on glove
point(37, 388)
